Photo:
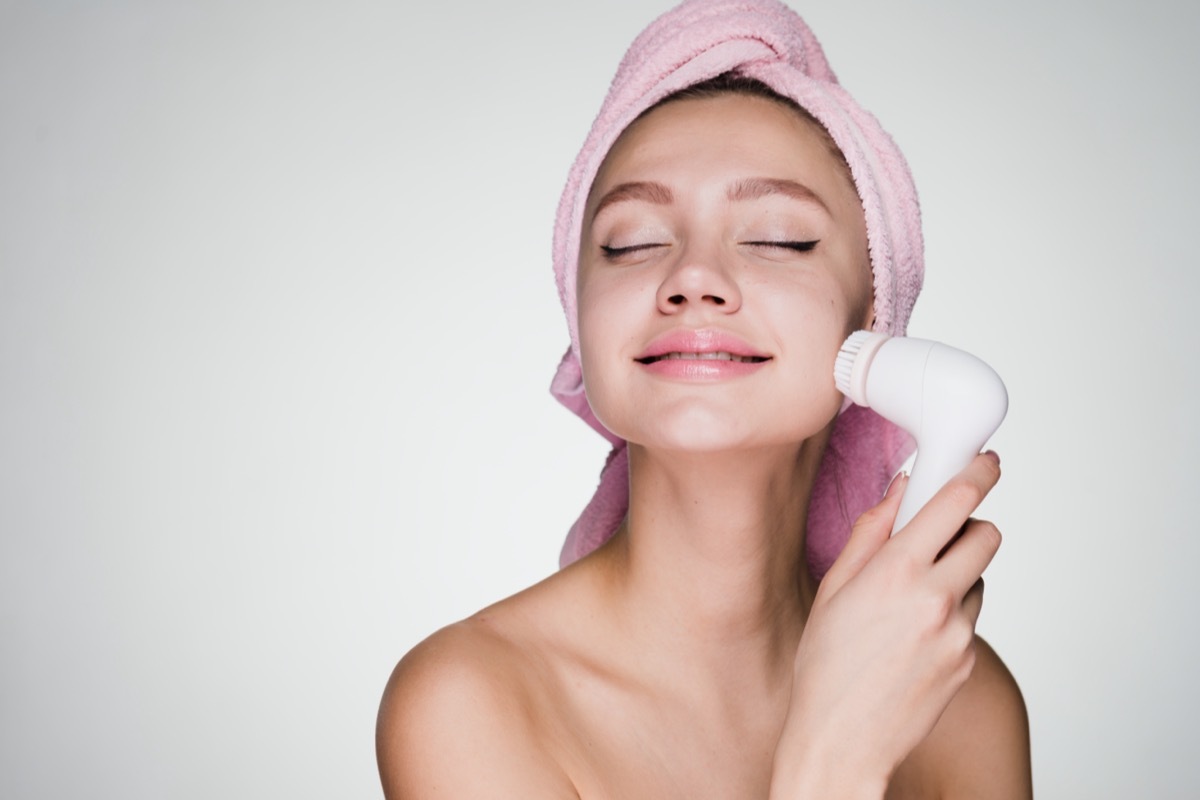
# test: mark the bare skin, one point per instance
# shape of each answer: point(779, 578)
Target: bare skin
point(693, 656)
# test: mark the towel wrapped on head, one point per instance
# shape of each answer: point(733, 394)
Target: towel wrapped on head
point(767, 41)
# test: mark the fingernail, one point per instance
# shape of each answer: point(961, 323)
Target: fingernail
point(993, 455)
point(897, 484)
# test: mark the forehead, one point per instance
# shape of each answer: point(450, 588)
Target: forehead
point(727, 130)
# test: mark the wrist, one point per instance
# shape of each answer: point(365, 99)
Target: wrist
point(813, 774)
point(814, 786)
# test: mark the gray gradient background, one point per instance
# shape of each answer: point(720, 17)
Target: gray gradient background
point(277, 323)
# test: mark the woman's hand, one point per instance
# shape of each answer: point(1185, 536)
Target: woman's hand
point(889, 642)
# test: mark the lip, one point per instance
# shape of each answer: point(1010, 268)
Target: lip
point(701, 355)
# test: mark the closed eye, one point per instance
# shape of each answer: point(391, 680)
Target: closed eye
point(799, 247)
point(617, 252)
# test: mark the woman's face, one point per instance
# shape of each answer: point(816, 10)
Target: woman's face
point(723, 262)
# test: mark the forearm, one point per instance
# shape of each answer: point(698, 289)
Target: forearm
point(810, 772)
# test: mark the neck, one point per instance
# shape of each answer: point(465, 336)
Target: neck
point(710, 563)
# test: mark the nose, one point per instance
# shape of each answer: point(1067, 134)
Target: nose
point(699, 281)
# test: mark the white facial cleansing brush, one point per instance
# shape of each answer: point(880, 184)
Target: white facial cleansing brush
point(950, 401)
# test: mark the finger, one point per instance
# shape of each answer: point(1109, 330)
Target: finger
point(973, 601)
point(869, 533)
point(935, 524)
point(966, 559)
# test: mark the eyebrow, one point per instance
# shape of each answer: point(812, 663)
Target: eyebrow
point(639, 190)
point(744, 189)
point(754, 188)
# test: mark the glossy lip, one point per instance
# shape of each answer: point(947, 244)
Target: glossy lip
point(700, 342)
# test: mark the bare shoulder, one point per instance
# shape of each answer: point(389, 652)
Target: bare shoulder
point(980, 746)
point(458, 719)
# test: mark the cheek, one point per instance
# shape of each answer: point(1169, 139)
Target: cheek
point(598, 318)
point(604, 323)
point(814, 306)
point(860, 298)
point(857, 280)
point(815, 322)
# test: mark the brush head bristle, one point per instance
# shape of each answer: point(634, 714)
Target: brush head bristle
point(853, 362)
point(844, 366)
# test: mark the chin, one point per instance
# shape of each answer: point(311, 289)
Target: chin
point(698, 427)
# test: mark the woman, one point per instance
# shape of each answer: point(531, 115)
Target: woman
point(732, 217)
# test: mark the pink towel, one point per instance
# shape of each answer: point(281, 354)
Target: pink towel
point(765, 40)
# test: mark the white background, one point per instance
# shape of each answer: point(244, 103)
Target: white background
point(277, 323)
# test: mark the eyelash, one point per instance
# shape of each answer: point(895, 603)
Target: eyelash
point(617, 252)
point(799, 247)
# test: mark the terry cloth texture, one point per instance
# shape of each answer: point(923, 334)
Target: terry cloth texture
point(765, 40)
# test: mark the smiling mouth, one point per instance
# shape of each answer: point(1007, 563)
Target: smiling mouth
point(717, 356)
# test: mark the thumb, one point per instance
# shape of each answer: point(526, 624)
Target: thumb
point(869, 533)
